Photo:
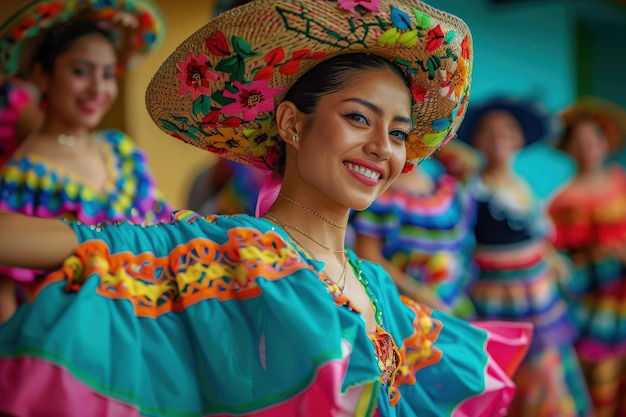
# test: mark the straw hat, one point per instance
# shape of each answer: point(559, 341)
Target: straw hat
point(610, 116)
point(219, 88)
point(24, 20)
point(536, 122)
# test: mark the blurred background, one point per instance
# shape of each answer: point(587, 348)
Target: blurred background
point(552, 51)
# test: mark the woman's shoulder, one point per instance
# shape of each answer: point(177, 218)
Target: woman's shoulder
point(121, 143)
point(215, 223)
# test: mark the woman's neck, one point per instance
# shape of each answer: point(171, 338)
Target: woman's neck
point(52, 128)
point(498, 174)
point(590, 171)
point(318, 231)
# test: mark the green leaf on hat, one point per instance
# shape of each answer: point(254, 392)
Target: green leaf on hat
point(451, 54)
point(174, 128)
point(403, 62)
point(422, 20)
point(434, 63)
point(332, 34)
point(201, 105)
point(233, 65)
point(219, 98)
point(449, 37)
point(231, 88)
point(242, 47)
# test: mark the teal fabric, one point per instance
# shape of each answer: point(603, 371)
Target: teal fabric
point(205, 359)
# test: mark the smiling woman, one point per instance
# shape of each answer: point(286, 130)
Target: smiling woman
point(269, 315)
point(66, 168)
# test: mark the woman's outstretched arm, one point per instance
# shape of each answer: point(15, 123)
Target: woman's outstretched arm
point(34, 243)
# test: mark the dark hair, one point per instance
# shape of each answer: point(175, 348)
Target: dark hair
point(61, 37)
point(331, 76)
point(568, 132)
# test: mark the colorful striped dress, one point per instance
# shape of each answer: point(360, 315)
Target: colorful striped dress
point(586, 223)
point(516, 283)
point(32, 185)
point(428, 236)
point(222, 316)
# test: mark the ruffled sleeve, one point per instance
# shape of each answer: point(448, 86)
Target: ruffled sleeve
point(217, 316)
point(221, 316)
point(449, 367)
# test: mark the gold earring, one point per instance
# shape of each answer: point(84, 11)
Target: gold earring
point(295, 137)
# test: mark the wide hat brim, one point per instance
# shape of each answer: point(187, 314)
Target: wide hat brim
point(610, 116)
point(537, 123)
point(27, 19)
point(219, 88)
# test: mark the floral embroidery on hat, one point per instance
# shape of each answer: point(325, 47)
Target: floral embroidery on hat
point(31, 20)
point(353, 5)
point(195, 76)
point(245, 73)
point(251, 99)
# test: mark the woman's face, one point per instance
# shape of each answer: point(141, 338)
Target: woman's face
point(498, 136)
point(587, 145)
point(82, 86)
point(355, 146)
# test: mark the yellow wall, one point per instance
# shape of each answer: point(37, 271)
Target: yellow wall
point(173, 163)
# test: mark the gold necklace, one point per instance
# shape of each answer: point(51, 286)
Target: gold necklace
point(313, 212)
point(71, 140)
point(291, 226)
point(341, 283)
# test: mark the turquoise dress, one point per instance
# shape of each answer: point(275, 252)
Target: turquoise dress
point(222, 316)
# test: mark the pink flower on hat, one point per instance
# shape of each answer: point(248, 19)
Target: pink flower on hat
point(251, 99)
point(351, 5)
point(195, 75)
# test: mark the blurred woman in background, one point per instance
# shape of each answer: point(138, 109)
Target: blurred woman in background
point(67, 168)
point(519, 269)
point(589, 214)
